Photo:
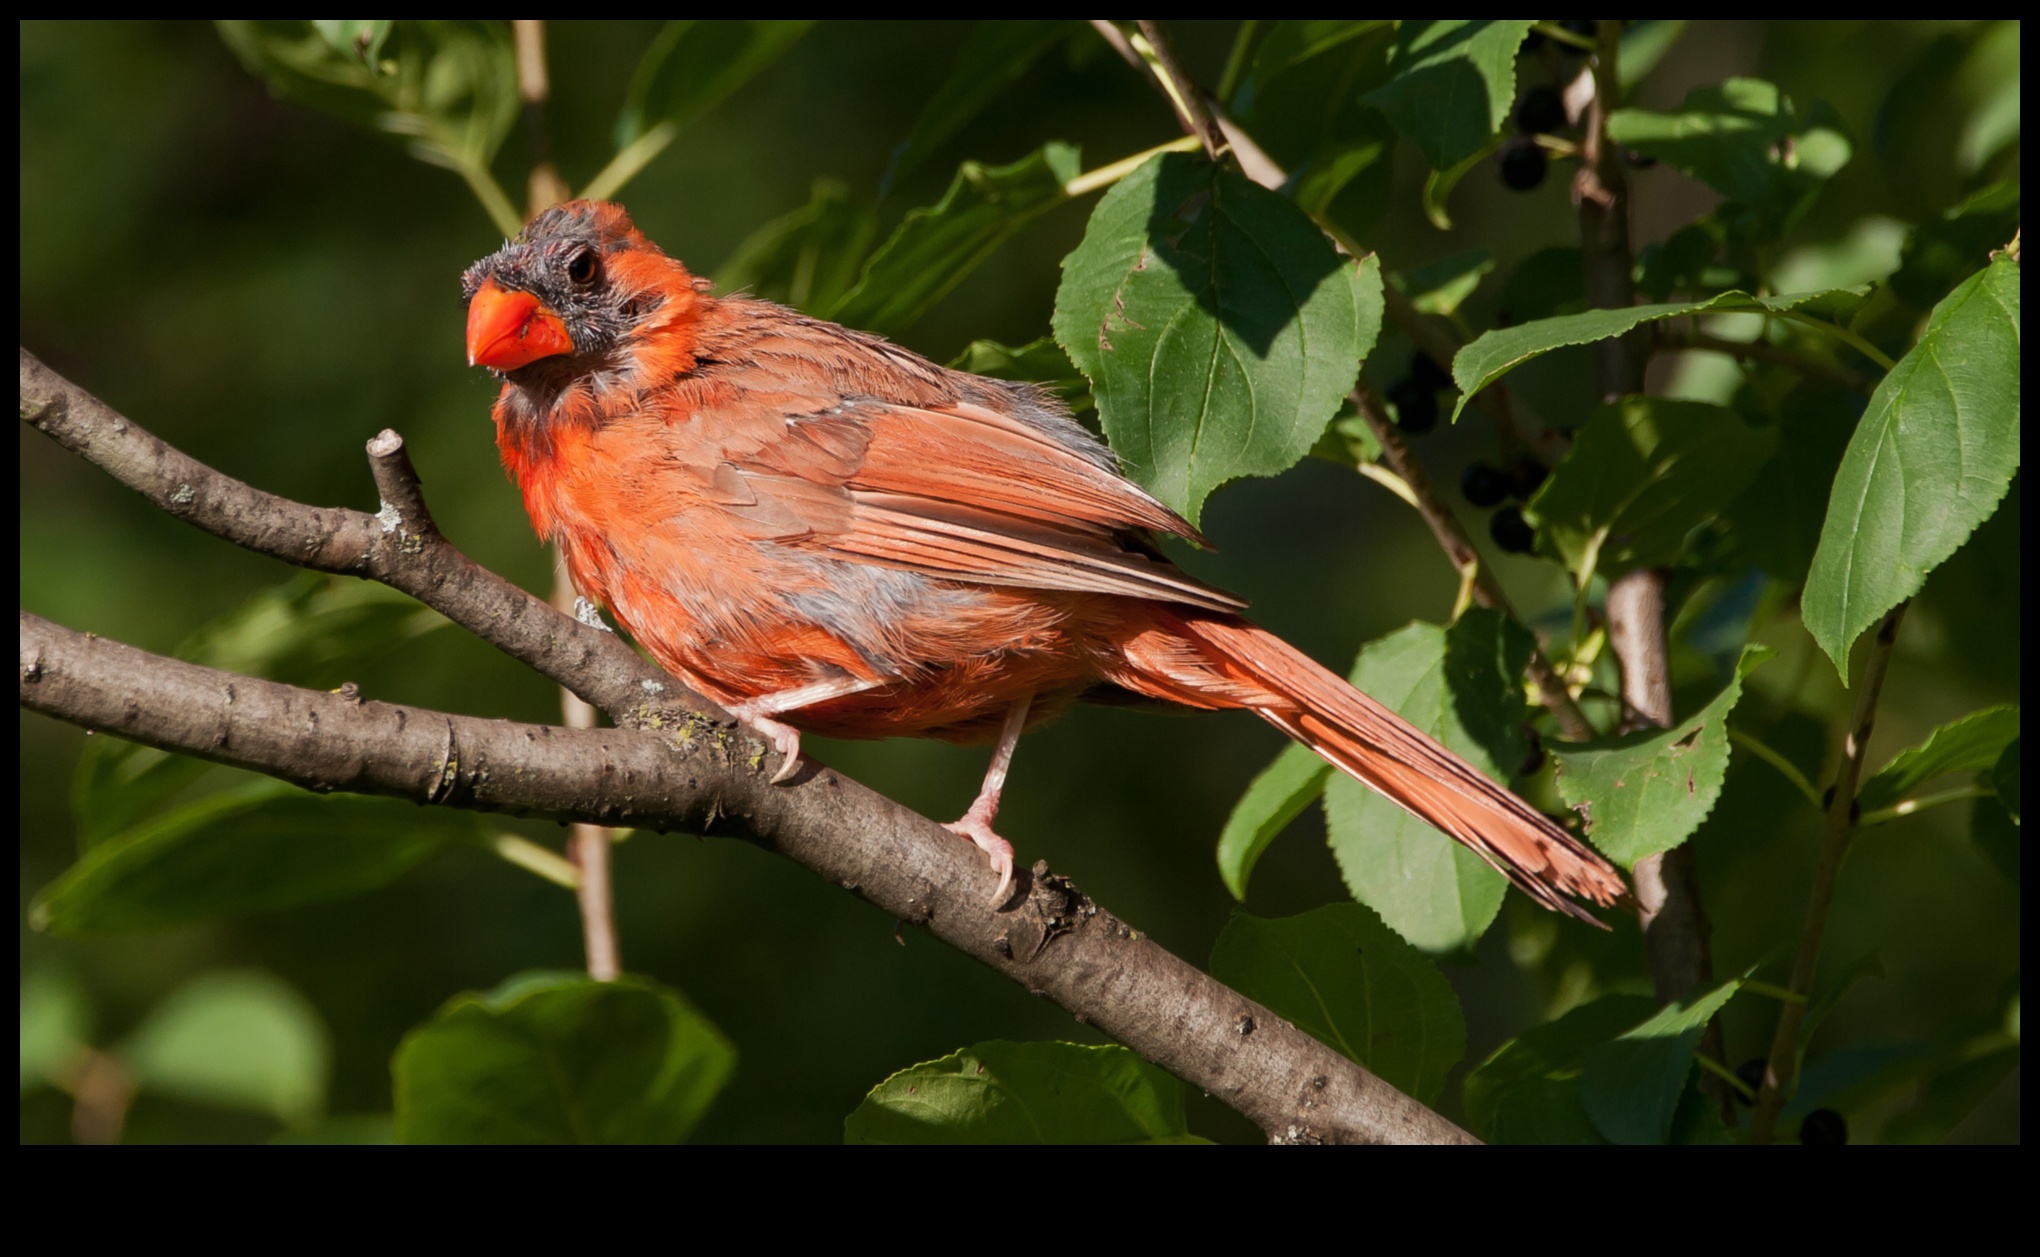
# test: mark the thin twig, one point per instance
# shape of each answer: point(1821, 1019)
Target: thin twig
point(676, 763)
point(1183, 93)
point(544, 189)
point(1781, 1074)
point(1675, 925)
point(1465, 559)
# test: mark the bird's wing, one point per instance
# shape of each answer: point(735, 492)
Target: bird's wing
point(960, 492)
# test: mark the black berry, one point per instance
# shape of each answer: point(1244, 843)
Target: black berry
point(1428, 373)
point(1641, 161)
point(1526, 474)
point(1483, 485)
point(1750, 1074)
point(1533, 759)
point(1511, 531)
point(1825, 1127)
point(1539, 111)
point(1522, 163)
point(1416, 406)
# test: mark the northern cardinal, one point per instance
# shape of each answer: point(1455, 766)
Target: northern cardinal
point(804, 521)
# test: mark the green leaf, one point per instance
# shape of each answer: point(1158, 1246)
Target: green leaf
point(237, 1038)
point(1643, 473)
point(1454, 84)
point(1275, 797)
point(995, 57)
point(692, 65)
point(1775, 522)
point(1217, 326)
point(1930, 461)
point(2005, 779)
point(1646, 792)
point(1952, 115)
point(257, 847)
point(1972, 744)
point(1301, 102)
point(1528, 1091)
point(359, 39)
point(1941, 254)
point(1350, 982)
point(557, 1058)
point(1440, 287)
point(1463, 686)
point(56, 1025)
point(808, 259)
point(1501, 351)
point(1644, 44)
point(1631, 1085)
point(449, 88)
point(1744, 139)
point(1024, 1093)
point(1037, 362)
point(936, 246)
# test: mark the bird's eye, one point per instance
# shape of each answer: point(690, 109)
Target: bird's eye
point(581, 267)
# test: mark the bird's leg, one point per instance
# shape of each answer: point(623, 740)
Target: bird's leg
point(976, 824)
point(758, 712)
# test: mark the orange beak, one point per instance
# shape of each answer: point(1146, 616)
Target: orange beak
point(506, 329)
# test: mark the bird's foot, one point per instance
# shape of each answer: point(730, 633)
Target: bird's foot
point(784, 738)
point(976, 825)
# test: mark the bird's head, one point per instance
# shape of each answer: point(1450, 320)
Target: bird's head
point(571, 293)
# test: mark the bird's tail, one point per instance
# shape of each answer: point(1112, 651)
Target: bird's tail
point(1208, 659)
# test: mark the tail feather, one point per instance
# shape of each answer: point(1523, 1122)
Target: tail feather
point(1247, 666)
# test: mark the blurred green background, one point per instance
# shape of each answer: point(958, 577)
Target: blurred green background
point(266, 287)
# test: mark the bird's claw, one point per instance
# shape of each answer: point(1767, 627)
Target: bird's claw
point(997, 850)
point(784, 738)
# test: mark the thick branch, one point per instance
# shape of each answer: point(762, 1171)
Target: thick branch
point(1843, 816)
point(1055, 942)
point(679, 764)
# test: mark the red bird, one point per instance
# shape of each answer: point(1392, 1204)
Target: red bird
point(820, 530)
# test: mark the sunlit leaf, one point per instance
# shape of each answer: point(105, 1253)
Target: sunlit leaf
point(1972, 744)
point(1024, 1093)
point(1631, 1084)
point(1453, 86)
point(1641, 475)
point(1743, 138)
point(1930, 460)
point(56, 1024)
point(1646, 792)
point(1350, 982)
point(1217, 326)
point(557, 1058)
point(1463, 687)
point(1501, 351)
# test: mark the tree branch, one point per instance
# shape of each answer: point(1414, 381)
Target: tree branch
point(1764, 351)
point(1843, 819)
point(677, 764)
point(1675, 926)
